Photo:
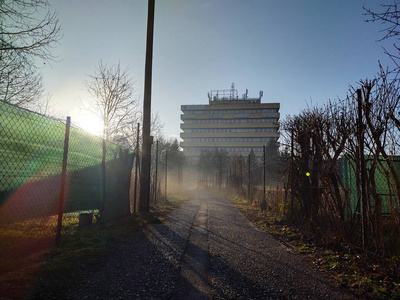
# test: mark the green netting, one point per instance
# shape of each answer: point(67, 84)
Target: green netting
point(383, 180)
point(31, 154)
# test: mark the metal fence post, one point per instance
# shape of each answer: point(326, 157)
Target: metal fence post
point(291, 172)
point(166, 173)
point(63, 179)
point(263, 174)
point(155, 177)
point(248, 191)
point(103, 164)
point(136, 168)
point(241, 172)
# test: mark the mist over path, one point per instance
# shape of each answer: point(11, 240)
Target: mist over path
point(206, 249)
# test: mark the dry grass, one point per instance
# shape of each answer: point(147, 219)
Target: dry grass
point(28, 249)
point(366, 275)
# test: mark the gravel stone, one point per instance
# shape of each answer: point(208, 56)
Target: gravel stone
point(206, 249)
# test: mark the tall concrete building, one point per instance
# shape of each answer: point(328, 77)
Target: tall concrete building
point(230, 123)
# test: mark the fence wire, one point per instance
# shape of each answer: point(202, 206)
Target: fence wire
point(31, 156)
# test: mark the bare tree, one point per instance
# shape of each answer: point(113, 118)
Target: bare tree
point(389, 17)
point(326, 163)
point(221, 161)
point(271, 161)
point(28, 31)
point(205, 167)
point(212, 165)
point(20, 82)
point(23, 31)
point(156, 126)
point(112, 89)
point(320, 137)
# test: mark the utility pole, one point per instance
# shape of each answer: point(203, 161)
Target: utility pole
point(144, 198)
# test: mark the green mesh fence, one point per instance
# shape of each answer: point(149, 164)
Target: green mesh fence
point(383, 180)
point(31, 152)
point(84, 190)
point(31, 156)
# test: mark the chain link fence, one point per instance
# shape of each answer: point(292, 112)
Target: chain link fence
point(31, 161)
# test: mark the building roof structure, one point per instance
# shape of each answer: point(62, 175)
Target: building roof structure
point(229, 123)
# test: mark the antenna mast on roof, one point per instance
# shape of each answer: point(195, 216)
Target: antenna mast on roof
point(233, 91)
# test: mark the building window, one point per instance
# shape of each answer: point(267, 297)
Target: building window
point(195, 111)
point(229, 139)
point(232, 121)
point(227, 149)
point(230, 130)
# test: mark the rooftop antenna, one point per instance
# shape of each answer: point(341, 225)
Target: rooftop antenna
point(232, 94)
point(245, 95)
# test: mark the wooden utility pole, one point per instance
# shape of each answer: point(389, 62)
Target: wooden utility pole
point(144, 199)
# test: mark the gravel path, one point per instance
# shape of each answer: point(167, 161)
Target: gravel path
point(206, 249)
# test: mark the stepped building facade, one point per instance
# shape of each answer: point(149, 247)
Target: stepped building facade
point(229, 123)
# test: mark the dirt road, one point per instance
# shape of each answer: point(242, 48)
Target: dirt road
point(206, 249)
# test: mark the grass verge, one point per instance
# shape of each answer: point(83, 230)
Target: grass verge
point(81, 251)
point(365, 276)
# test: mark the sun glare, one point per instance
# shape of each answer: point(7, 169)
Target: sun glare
point(90, 123)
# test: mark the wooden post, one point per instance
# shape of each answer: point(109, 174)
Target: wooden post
point(364, 222)
point(144, 199)
point(63, 179)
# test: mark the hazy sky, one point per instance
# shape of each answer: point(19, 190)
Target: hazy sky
point(298, 52)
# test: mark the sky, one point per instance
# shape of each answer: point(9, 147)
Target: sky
point(299, 53)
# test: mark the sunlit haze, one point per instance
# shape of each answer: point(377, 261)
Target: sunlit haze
point(90, 122)
point(298, 53)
